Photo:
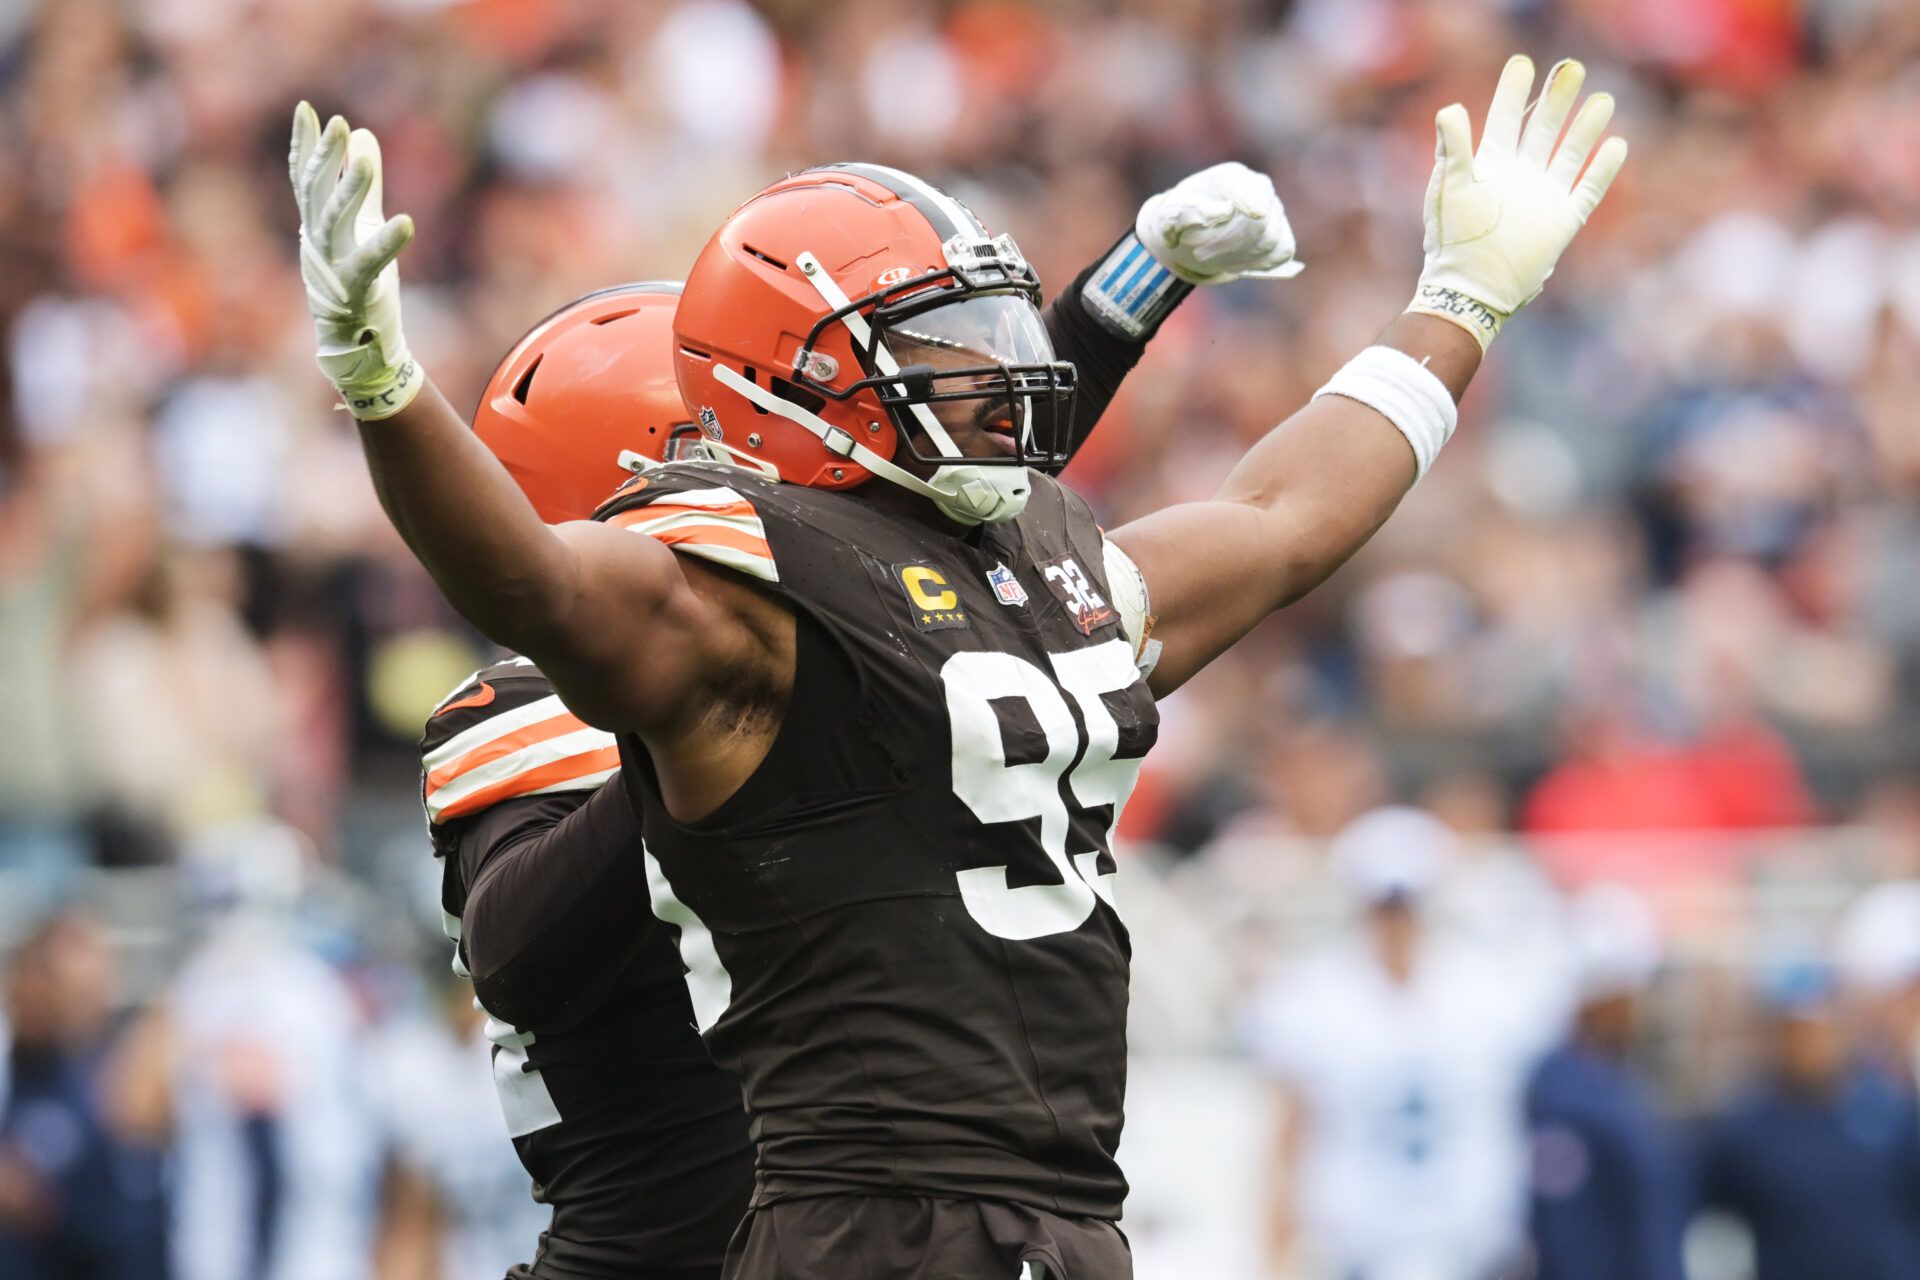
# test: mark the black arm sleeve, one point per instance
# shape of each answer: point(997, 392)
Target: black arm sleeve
point(1102, 359)
point(556, 904)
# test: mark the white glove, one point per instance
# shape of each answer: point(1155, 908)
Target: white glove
point(347, 252)
point(1219, 224)
point(1498, 220)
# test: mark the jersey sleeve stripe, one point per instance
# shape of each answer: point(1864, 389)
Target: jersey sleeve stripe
point(715, 535)
point(663, 510)
point(718, 496)
point(734, 538)
point(725, 546)
point(585, 772)
point(507, 744)
point(539, 767)
point(659, 527)
point(509, 721)
point(750, 563)
point(517, 759)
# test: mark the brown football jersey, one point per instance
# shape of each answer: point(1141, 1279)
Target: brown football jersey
point(900, 933)
point(627, 1128)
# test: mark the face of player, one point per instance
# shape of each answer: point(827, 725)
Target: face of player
point(983, 334)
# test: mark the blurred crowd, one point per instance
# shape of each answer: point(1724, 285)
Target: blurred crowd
point(1468, 1088)
point(1416, 1059)
point(1648, 604)
point(281, 1100)
point(1656, 583)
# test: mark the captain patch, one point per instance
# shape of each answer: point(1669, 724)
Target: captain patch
point(935, 605)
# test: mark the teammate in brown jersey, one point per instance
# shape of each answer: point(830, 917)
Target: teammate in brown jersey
point(882, 842)
point(629, 1131)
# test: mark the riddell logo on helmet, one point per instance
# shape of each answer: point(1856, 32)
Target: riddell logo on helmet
point(710, 423)
point(892, 276)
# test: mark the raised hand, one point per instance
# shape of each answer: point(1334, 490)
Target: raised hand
point(348, 248)
point(1498, 219)
point(1219, 224)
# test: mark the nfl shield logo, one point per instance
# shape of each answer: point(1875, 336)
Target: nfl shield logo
point(1006, 586)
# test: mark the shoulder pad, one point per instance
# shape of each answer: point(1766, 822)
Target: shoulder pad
point(1127, 588)
point(503, 734)
point(701, 511)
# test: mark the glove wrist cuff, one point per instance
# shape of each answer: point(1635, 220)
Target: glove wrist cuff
point(1476, 317)
point(371, 389)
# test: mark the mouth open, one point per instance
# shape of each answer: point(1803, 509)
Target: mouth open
point(999, 437)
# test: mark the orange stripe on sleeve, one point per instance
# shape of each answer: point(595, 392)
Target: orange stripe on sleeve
point(667, 510)
point(717, 535)
point(504, 745)
point(548, 775)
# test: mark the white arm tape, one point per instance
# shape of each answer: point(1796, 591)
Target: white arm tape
point(1403, 391)
point(1128, 587)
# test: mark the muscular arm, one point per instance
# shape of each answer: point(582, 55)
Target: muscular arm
point(610, 617)
point(1317, 487)
point(1303, 500)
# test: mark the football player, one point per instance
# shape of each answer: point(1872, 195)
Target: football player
point(880, 688)
point(630, 1133)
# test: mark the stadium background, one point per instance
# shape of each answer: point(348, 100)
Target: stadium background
point(1651, 619)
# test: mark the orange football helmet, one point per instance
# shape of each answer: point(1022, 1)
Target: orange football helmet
point(836, 317)
point(585, 396)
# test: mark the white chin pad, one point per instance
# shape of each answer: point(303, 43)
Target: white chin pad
point(982, 495)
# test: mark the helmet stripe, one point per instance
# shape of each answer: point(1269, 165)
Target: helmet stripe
point(949, 217)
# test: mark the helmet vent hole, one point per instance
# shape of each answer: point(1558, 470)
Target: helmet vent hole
point(767, 258)
point(618, 315)
point(522, 387)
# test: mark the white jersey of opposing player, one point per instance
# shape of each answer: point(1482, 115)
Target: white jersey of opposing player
point(276, 1163)
point(1413, 1165)
point(434, 1092)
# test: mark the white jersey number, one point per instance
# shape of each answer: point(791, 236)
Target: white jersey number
point(1000, 792)
point(708, 982)
point(524, 1098)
